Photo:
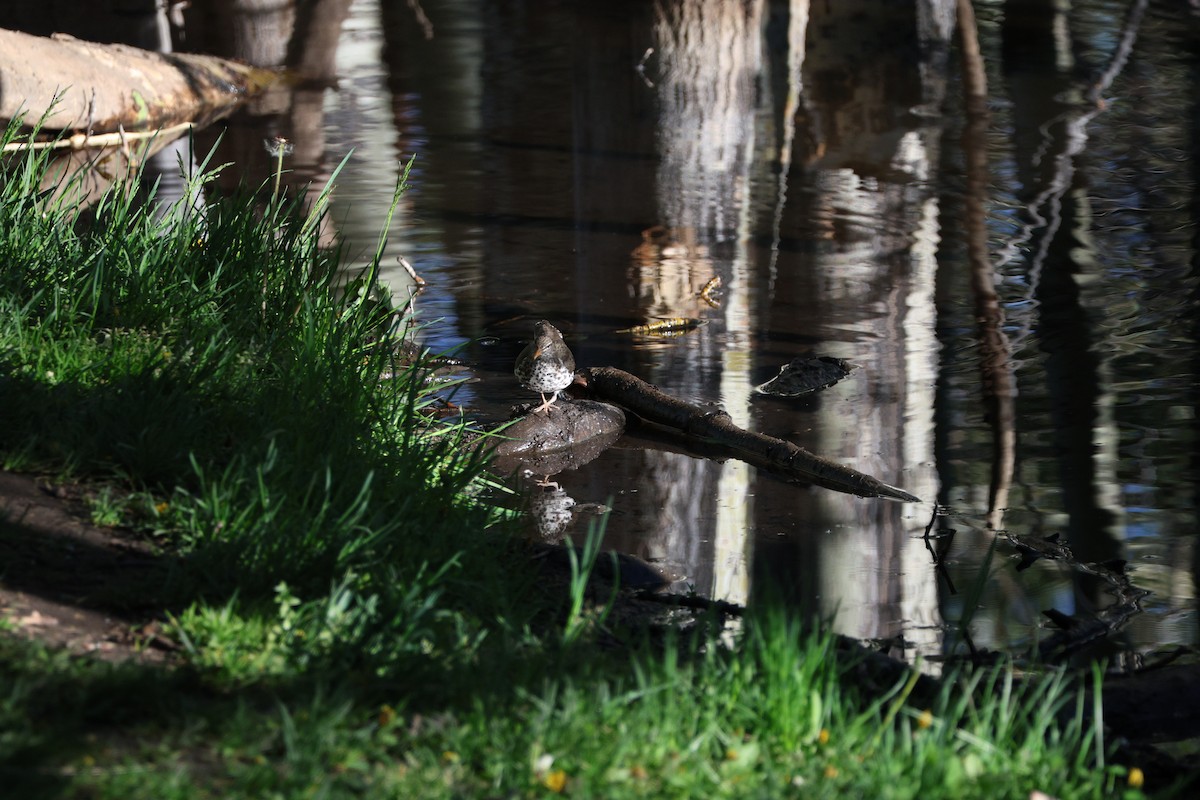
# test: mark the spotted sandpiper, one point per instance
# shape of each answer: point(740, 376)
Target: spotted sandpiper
point(546, 365)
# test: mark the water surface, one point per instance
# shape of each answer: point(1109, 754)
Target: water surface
point(597, 167)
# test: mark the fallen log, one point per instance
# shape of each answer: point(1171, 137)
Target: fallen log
point(776, 456)
point(62, 84)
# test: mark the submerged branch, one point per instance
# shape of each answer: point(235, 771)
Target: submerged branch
point(776, 456)
point(1077, 632)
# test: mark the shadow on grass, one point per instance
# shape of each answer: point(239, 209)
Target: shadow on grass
point(63, 715)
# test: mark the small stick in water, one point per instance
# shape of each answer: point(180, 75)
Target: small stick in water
point(412, 273)
point(666, 327)
point(713, 284)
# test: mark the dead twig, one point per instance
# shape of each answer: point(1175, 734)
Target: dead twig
point(713, 284)
point(412, 273)
point(665, 327)
point(83, 141)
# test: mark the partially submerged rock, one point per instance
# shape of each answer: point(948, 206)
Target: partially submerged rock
point(565, 436)
point(612, 568)
point(807, 374)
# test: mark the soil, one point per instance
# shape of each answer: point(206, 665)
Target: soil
point(69, 583)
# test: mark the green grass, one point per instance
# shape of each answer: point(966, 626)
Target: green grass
point(352, 619)
point(772, 718)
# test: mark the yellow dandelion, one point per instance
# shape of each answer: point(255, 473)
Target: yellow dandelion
point(831, 771)
point(555, 781)
point(823, 736)
point(1136, 778)
point(162, 508)
point(925, 719)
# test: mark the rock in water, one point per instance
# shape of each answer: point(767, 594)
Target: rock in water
point(805, 375)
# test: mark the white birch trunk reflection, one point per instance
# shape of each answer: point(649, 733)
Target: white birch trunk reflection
point(710, 57)
point(862, 185)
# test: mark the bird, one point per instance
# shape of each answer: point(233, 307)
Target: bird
point(546, 365)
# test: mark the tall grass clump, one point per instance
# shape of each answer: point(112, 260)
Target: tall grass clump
point(207, 357)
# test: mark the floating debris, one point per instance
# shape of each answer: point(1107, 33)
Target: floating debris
point(714, 283)
point(641, 67)
point(676, 326)
point(807, 374)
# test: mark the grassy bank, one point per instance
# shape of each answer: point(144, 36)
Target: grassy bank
point(349, 618)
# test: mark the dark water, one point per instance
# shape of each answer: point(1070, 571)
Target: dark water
point(1021, 296)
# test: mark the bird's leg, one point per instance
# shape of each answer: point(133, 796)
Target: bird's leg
point(545, 406)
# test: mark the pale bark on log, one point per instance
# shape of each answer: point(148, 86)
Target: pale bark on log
point(72, 85)
point(776, 456)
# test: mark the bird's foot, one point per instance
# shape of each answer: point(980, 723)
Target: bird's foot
point(545, 406)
